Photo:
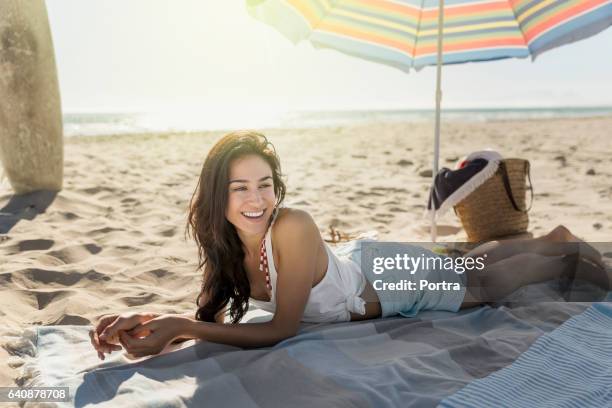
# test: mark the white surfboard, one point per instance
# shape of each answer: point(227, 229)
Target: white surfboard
point(31, 135)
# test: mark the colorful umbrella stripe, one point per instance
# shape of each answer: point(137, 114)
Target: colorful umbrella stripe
point(403, 33)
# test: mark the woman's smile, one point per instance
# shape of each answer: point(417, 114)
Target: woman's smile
point(254, 215)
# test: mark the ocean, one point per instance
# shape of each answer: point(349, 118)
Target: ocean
point(91, 124)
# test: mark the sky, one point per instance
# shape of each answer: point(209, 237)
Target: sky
point(149, 55)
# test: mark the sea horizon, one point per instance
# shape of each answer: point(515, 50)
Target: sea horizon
point(91, 123)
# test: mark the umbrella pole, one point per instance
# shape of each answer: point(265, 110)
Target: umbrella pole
point(434, 172)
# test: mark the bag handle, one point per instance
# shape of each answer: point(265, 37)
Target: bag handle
point(506, 180)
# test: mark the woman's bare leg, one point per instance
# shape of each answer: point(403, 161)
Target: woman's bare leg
point(501, 278)
point(560, 241)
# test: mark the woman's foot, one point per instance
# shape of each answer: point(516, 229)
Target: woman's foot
point(594, 273)
point(560, 234)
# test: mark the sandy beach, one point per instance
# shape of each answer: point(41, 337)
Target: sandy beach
point(113, 238)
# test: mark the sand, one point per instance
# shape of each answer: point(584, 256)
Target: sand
point(113, 239)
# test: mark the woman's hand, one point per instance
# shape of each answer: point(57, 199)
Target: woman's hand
point(105, 335)
point(151, 337)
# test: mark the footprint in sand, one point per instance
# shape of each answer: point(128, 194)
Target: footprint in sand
point(69, 215)
point(370, 193)
point(156, 273)
point(70, 320)
point(104, 230)
point(130, 200)
point(397, 209)
point(47, 297)
point(389, 189)
point(404, 163)
point(155, 277)
point(32, 278)
point(369, 206)
point(75, 253)
point(170, 232)
point(141, 299)
point(119, 250)
point(48, 261)
point(96, 190)
point(34, 245)
point(175, 259)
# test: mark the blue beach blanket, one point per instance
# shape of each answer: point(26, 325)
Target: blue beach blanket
point(419, 362)
point(570, 367)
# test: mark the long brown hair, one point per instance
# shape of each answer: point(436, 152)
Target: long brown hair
point(220, 250)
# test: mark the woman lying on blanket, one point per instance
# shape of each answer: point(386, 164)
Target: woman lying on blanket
point(251, 248)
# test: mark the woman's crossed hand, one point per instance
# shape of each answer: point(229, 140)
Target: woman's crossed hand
point(105, 336)
point(152, 336)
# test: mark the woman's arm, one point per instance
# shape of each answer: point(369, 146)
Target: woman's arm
point(298, 245)
point(240, 335)
point(161, 331)
point(219, 317)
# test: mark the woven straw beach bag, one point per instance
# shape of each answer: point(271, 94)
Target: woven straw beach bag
point(498, 208)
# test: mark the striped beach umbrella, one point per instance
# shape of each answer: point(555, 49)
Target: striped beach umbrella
point(404, 33)
point(415, 33)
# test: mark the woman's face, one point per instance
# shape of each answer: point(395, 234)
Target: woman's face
point(251, 197)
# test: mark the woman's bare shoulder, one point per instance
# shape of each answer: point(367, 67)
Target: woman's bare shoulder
point(294, 221)
point(297, 241)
